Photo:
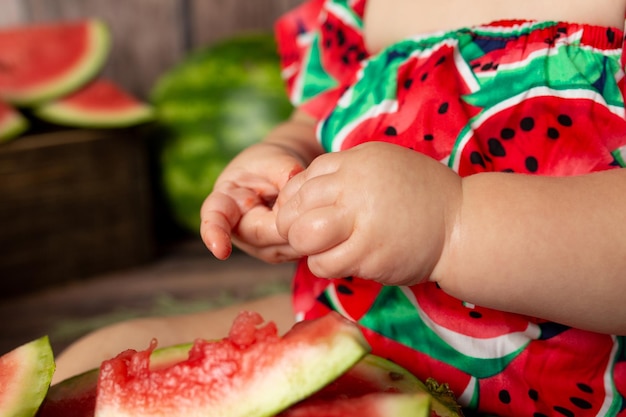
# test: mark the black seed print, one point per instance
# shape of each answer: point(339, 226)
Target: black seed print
point(424, 76)
point(564, 411)
point(361, 56)
point(527, 124)
point(391, 131)
point(508, 170)
point(584, 387)
point(407, 83)
point(443, 109)
point(561, 30)
point(533, 394)
point(476, 65)
point(345, 59)
point(344, 290)
point(441, 60)
point(553, 133)
point(564, 120)
point(487, 66)
point(539, 415)
point(504, 396)
point(507, 133)
point(531, 164)
point(328, 43)
point(428, 137)
point(476, 158)
point(341, 37)
point(610, 35)
point(495, 147)
point(580, 403)
point(475, 314)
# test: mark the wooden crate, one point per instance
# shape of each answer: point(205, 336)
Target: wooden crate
point(73, 203)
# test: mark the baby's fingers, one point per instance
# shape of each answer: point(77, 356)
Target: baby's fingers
point(219, 215)
point(319, 230)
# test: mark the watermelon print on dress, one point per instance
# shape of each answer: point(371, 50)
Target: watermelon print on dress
point(398, 98)
point(543, 98)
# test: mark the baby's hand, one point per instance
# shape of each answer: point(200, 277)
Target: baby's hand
point(240, 208)
point(377, 211)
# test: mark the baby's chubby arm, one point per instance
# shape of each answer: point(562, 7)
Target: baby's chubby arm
point(548, 247)
point(239, 209)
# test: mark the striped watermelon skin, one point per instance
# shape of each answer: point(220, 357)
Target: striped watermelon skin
point(216, 102)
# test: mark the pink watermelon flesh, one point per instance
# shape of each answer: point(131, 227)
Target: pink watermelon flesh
point(40, 62)
point(76, 396)
point(370, 405)
point(25, 375)
point(252, 372)
point(100, 103)
point(12, 123)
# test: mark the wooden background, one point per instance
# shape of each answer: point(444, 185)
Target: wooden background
point(150, 36)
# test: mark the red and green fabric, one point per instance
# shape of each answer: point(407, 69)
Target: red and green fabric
point(541, 98)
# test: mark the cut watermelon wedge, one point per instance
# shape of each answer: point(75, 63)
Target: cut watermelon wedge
point(12, 123)
point(252, 372)
point(25, 375)
point(99, 104)
point(41, 62)
point(76, 396)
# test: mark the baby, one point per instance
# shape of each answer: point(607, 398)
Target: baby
point(450, 181)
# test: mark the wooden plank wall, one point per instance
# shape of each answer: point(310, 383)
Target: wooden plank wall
point(150, 36)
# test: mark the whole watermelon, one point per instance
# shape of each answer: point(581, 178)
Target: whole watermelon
point(217, 101)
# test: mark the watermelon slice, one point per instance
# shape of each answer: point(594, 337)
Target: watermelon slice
point(76, 396)
point(40, 62)
point(252, 372)
point(12, 123)
point(99, 104)
point(25, 375)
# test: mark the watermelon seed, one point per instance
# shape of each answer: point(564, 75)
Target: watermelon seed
point(487, 66)
point(610, 35)
point(527, 124)
point(476, 158)
point(443, 109)
point(391, 131)
point(533, 394)
point(428, 137)
point(553, 133)
point(440, 61)
point(531, 164)
point(504, 396)
point(396, 376)
point(344, 290)
point(424, 76)
point(407, 83)
point(564, 411)
point(581, 403)
point(539, 415)
point(475, 314)
point(507, 133)
point(564, 120)
point(496, 148)
point(584, 387)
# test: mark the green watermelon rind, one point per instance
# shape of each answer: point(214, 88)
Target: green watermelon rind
point(64, 114)
point(443, 401)
point(13, 125)
point(303, 367)
point(29, 390)
point(87, 381)
point(91, 63)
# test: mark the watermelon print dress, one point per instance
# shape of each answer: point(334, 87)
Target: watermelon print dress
point(544, 98)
